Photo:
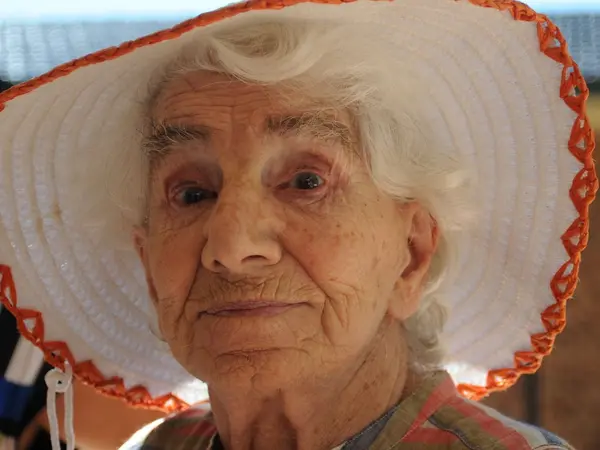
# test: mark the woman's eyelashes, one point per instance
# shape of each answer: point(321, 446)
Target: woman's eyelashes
point(190, 194)
point(306, 180)
point(303, 180)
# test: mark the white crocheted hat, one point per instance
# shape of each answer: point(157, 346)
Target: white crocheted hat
point(500, 86)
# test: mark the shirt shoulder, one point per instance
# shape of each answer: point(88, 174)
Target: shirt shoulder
point(192, 429)
point(477, 427)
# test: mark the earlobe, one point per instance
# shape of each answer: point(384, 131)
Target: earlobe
point(421, 245)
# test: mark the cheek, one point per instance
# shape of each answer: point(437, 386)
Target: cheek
point(174, 259)
point(345, 256)
point(344, 251)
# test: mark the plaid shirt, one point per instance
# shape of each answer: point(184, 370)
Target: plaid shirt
point(434, 417)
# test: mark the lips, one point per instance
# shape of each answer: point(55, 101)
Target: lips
point(251, 308)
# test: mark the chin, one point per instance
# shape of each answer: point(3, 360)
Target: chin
point(258, 368)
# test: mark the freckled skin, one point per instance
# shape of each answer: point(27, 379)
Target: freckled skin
point(341, 251)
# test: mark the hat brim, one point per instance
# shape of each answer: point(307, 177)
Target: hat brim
point(512, 102)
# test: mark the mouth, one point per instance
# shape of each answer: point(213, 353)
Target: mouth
point(251, 309)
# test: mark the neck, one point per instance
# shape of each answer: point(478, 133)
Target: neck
point(316, 414)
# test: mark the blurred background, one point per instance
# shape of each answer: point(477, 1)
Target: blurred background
point(564, 396)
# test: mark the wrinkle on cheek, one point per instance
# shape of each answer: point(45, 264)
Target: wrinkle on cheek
point(172, 282)
point(169, 317)
point(341, 298)
point(346, 298)
point(301, 290)
point(173, 290)
point(339, 309)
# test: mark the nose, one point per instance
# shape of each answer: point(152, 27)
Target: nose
point(241, 237)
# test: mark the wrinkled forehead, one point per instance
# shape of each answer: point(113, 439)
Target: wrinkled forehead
point(213, 90)
point(196, 105)
point(208, 90)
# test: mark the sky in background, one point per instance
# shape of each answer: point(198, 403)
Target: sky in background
point(144, 9)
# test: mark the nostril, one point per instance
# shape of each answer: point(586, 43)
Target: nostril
point(239, 256)
point(254, 258)
point(237, 263)
point(218, 265)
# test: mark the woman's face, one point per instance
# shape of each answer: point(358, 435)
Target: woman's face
point(269, 252)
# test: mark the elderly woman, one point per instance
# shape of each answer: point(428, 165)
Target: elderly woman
point(349, 221)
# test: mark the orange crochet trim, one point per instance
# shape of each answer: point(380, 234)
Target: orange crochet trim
point(573, 91)
point(31, 326)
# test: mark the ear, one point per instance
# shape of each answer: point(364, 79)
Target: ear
point(140, 241)
point(140, 238)
point(421, 241)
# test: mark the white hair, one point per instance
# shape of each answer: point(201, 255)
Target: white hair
point(328, 63)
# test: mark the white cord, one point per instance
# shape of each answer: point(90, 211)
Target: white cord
point(60, 382)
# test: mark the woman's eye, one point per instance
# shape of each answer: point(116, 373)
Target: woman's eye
point(192, 195)
point(306, 181)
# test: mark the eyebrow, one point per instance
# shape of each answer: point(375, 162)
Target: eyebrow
point(163, 137)
point(318, 125)
point(322, 126)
